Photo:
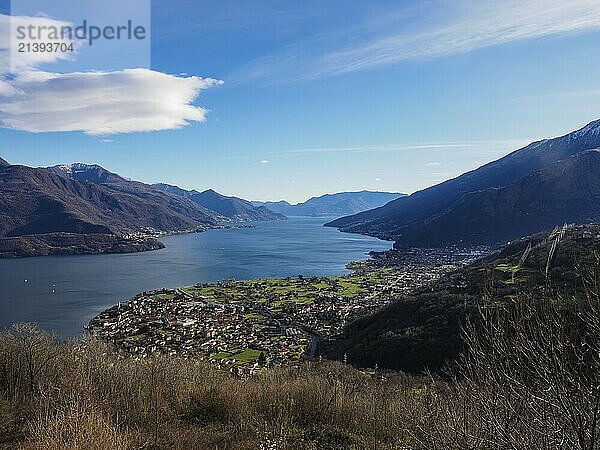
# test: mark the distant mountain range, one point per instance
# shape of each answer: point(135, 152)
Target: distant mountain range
point(332, 205)
point(547, 183)
point(164, 213)
point(231, 207)
point(81, 208)
point(212, 203)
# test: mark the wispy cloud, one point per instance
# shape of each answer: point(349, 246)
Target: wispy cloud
point(560, 95)
point(442, 28)
point(478, 146)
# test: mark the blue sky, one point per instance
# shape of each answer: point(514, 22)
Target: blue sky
point(321, 96)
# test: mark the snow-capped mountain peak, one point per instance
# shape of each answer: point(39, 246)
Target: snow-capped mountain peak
point(591, 129)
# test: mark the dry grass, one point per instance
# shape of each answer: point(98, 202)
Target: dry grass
point(84, 395)
point(76, 427)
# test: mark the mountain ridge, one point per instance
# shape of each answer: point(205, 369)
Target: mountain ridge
point(85, 208)
point(211, 202)
point(328, 205)
point(98, 176)
point(567, 191)
point(403, 218)
point(41, 195)
point(233, 208)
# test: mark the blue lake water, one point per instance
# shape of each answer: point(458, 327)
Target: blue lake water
point(62, 293)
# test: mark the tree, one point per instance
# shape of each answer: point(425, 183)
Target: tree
point(32, 350)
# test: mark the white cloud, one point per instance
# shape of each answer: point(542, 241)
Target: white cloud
point(101, 103)
point(264, 161)
point(97, 103)
point(447, 28)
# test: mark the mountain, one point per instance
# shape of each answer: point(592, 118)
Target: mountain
point(84, 208)
point(209, 202)
point(423, 330)
point(450, 212)
point(3, 162)
point(37, 201)
point(281, 207)
point(233, 208)
point(41, 210)
point(568, 191)
point(94, 174)
point(331, 205)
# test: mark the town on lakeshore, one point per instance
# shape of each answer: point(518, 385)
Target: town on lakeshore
point(244, 326)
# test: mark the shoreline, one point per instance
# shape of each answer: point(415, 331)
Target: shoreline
point(72, 244)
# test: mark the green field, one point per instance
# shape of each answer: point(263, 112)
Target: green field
point(275, 294)
point(240, 356)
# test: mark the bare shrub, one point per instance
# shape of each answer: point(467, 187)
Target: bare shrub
point(76, 427)
point(533, 366)
point(25, 352)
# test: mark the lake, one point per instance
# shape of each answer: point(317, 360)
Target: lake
point(62, 293)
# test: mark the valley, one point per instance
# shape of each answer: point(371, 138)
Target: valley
point(278, 225)
point(400, 310)
point(246, 326)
